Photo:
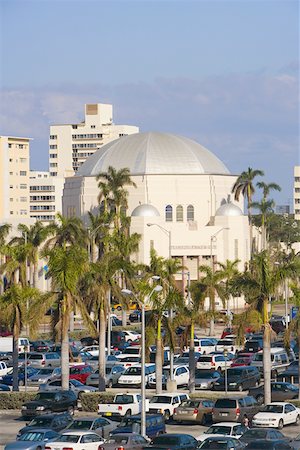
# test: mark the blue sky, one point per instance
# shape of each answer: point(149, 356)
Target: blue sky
point(225, 73)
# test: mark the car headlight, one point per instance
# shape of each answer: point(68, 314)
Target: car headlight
point(24, 407)
point(232, 384)
point(40, 408)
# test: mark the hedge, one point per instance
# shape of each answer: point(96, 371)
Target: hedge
point(90, 401)
point(15, 400)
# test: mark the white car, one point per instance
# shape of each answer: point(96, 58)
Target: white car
point(131, 336)
point(76, 440)
point(204, 346)
point(215, 362)
point(91, 349)
point(133, 376)
point(232, 429)
point(166, 403)
point(276, 415)
point(181, 376)
point(228, 343)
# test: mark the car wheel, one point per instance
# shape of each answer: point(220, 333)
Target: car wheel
point(297, 420)
point(21, 383)
point(219, 369)
point(39, 448)
point(260, 399)
point(280, 424)
point(204, 419)
point(167, 414)
point(71, 410)
point(110, 384)
point(256, 383)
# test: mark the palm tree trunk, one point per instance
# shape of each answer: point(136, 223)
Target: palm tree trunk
point(65, 357)
point(192, 359)
point(124, 316)
point(212, 310)
point(299, 363)
point(158, 359)
point(35, 274)
point(267, 362)
point(102, 334)
point(15, 386)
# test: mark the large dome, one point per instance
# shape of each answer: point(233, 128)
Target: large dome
point(153, 153)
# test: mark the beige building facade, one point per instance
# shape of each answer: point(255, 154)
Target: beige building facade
point(45, 196)
point(297, 192)
point(14, 178)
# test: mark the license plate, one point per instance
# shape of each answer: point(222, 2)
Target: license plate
point(223, 414)
point(108, 414)
point(184, 412)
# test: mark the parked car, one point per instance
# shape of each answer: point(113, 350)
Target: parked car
point(271, 445)
point(239, 379)
point(127, 441)
point(291, 374)
point(32, 440)
point(155, 425)
point(112, 375)
point(205, 379)
point(225, 442)
point(228, 344)
point(99, 425)
point(204, 346)
point(181, 375)
point(253, 345)
point(76, 440)
point(40, 360)
point(93, 350)
point(173, 441)
point(4, 387)
point(80, 372)
point(110, 360)
point(8, 378)
point(42, 376)
point(295, 443)
point(242, 359)
point(55, 422)
point(265, 434)
point(122, 405)
point(166, 403)
point(216, 362)
point(74, 385)
point(223, 429)
point(132, 376)
point(131, 336)
point(279, 392)
point(47, 402)
point(279, 361)
point(194, 410)
point(276, 415)
point(41, 346)
point(4, 369)
point(233, 409)
point(135, 316)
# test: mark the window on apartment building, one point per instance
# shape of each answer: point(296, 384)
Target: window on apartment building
point(53, 174)
point(11, 213)
point(53, 136)
point(9, 145)
point(53, 147)
point(21, 146)
point(11, 186)
point(93, 126)
point(297, 179)
point(23, 212)
point(53, 164)
point(23, 173)
point(11, 173)
point(74, 127)
point(297, 200)
point(10, 160)
point(23, 186)
point(53, 155)
point(190, 213)
point(297, 190)
point(11, 199)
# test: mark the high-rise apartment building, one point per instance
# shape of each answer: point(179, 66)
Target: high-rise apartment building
point(297, 192)
point(14, 178)
point(45, 195)
point(71, 144)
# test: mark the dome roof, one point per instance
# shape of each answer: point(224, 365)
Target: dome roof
point(153, 153)
point(145, 210)
point(229, 209)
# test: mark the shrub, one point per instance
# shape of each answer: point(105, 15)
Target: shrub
point(90, 401)
point(15, 400)
point(295, 402)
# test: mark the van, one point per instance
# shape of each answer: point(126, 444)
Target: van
point(155, 425)
point(279, 360)
point(233, 409)
point(239, 379)
point(40, 360)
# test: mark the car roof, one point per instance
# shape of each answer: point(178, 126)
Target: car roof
point(227, 424)
point(79, 433)
point(279, 403)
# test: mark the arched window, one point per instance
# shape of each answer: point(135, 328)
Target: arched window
point(190, 213)
point(169, 213)
point(179, 213)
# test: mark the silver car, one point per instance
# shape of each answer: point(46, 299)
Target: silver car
point(74, 385)
point(32, 440)
point(99, 425)
point(40, 360)
point(112, 375)
point(42, 376)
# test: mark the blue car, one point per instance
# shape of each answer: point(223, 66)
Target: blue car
point(4, 387)
point(8, 378)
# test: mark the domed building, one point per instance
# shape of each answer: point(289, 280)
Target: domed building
point(181, 205)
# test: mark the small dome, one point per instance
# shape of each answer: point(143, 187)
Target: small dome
point(145, 210)
point(229, 209)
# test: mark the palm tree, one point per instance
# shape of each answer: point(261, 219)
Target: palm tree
point(98, 234)
point(267, 188)
point(244, 186)
point(211, 284)
point(66, 268)
point(230, 272)
point(265, 207)
point(14, 267)
point(68, 231)
point(14, 311)
point(4, 231)
point(258, 284)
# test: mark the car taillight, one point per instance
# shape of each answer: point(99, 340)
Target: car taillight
point(66, 448)
point(196, 411)
point(119, 408)
point(119, 448)
point(100, 448)
point(212, 363)
point(43, 363)
point(175, 410)
point(237, 411)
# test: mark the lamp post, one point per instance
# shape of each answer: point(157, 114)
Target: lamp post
point(128, 292)
point(225, 353)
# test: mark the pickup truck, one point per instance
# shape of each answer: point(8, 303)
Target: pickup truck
point(123, 405)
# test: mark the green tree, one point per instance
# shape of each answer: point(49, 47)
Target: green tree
point(266, 208)
point(267, 188)
point(230, 271)
point(66, 231)
point(244, 185)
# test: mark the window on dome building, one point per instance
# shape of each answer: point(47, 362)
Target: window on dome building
point(179, 213)
point(190, 213)
point(169, 213)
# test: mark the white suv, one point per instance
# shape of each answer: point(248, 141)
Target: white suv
point(181, 376)
point(166, 403)
point(216, 362)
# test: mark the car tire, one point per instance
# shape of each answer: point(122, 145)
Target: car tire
point(110, 384)
point(260, 399)
point(280, 424)
point(71, 410)
point(240, 388)
point(21, 383)
point(297, 420)
point(167, 414)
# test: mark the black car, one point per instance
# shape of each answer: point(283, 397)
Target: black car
point(50, 402)
point(253, 345)
point(239, 378)
point(280, 392)
point(271, 445)
point(55, 422)
point(173, 441)
point(88, 341)
point(291, 374)
point(221, 442)
point(135, 316)
point(263, 434)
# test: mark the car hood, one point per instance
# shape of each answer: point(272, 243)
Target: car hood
point(203, 436)
point(23, 445)
point(36, 403)
point(206, 380)
point(267, 415)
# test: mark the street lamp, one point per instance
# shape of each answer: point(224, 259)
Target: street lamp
point(213, 238)
point(225, 353)
point(168, 232)
point(128, 292)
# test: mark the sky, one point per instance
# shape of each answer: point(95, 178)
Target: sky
point(224, 73)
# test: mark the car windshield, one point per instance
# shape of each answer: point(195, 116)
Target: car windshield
point(117, 440)
point(190, 404)
point(44, 371)
point(161, 399)
point(203, 374)
point(255, 434)
point(205, 359)
point(76, 383)
point(45, 395)
point(124, 399)
point(218, 429)
point(41, 422)
point(81, 425)
point(235, 372)
point(133, 371)
point(68, 438)
point(32, 436)
point(277, 409)
point(165, 440)
point(214, 444)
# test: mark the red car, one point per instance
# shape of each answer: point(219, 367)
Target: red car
point(243, 359)
point(80, 372)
